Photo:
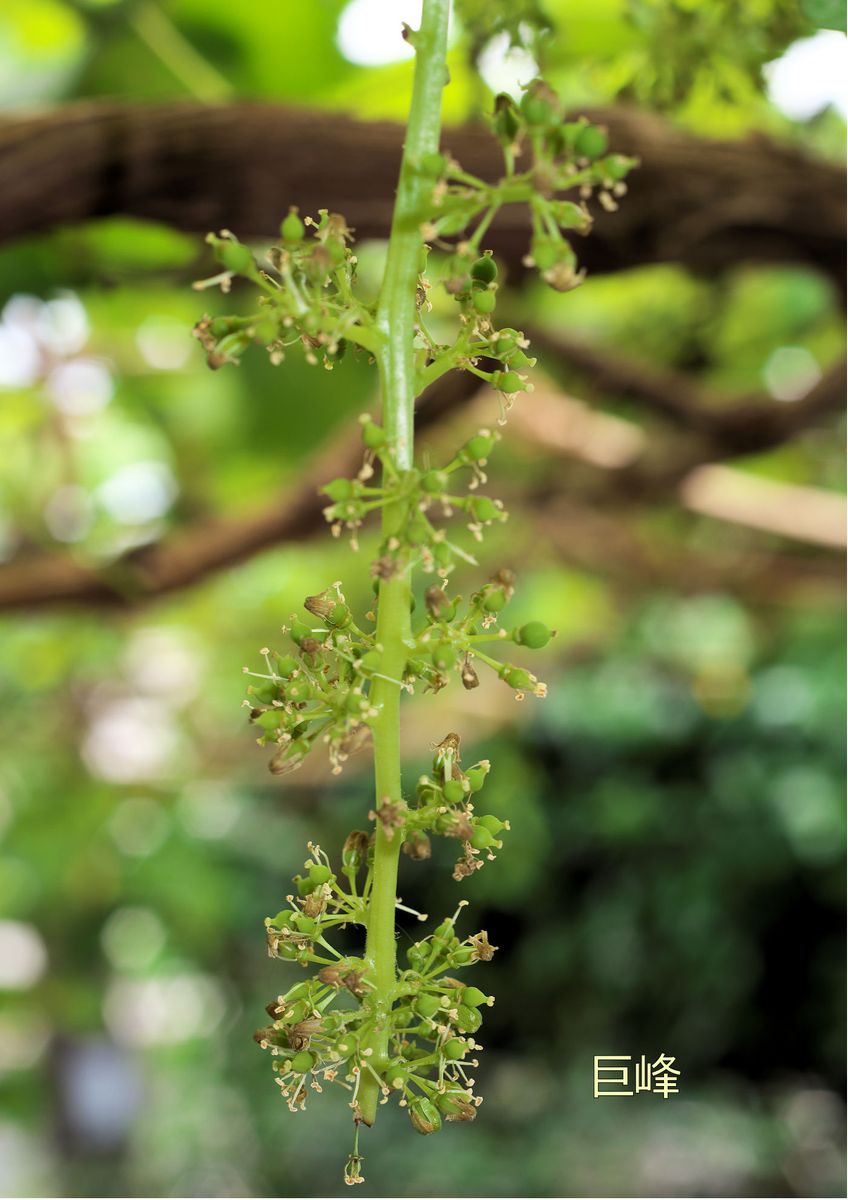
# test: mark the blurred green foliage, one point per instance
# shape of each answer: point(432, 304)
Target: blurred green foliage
point(673, 880)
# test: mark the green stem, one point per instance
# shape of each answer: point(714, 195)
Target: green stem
point(396, 318)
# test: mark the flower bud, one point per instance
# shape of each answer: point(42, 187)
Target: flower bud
point(506, 121)
point(453, 791)
point(534, 635)
point(232, 255)
point(355, 850)
point(508, 382)
point(424, 1115)
point(570, 216)
point(339, 489)
point(478, 448)
point(545, 251)
point(373, 435)
point(455, 1049)
point(468, 1019)
point(292, 228)
point(456, 1106)
point(319, 874)
point(284, 664)
point(289, 759)
point(516, 677)
point(417, 846)
point(473, 997)
point(435, 599)
point(302, 1062)
point(481, 838)
point(484, 301)
point(540, 105)
point(591, 141)
point(443, 656)
point(485, 510)
point(434, 482)
point(427, 1005)
point(476, 776)
point(485, 269)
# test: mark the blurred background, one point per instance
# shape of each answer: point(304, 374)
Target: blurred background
point(673, 882)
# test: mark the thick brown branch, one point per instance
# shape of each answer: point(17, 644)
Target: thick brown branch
point(743, 425)
point(705, 204)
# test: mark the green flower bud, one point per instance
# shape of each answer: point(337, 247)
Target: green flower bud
point(506, 342)
point(308, 926)
point(485, 510)
point(292, 228)
point(468, 1019)
point(516, 677)
point(284, 664)
point(546, 251)
point(443, 554)
point(460, 957)
point(434, 482)
point(540, 105)
point(453, 791)
point(303, 1062)
point(234, 256)
point(443, 656)
point(397, 1077)
point(297, 1012)
point(456, 1105)
point(476, 776)
point(484, 302)
point(339, 489)
point(507, 381)
point(493, 824)
point(473, 997)
point(289, 759)
point(373, 435)
point(299, 690)
point(478, 448)
point(354, 850)
point(427, 1005)
point(591, 142)
point(266, 331)
point(419, 529)
point(495, 600)
point(416, 954)
point(570, 216)
point(616, 166)
point(485, 269)
point(272, 719)
point(283, 919)
point(481, 838)
point(401, 1016)
point(424, 1115)
point(534, 635)
point(299, 631)
point(417, 846)
point(319, 874)
point(506, 121)
point(454, 1049)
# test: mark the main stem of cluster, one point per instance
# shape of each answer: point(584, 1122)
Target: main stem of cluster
point(396, 316)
